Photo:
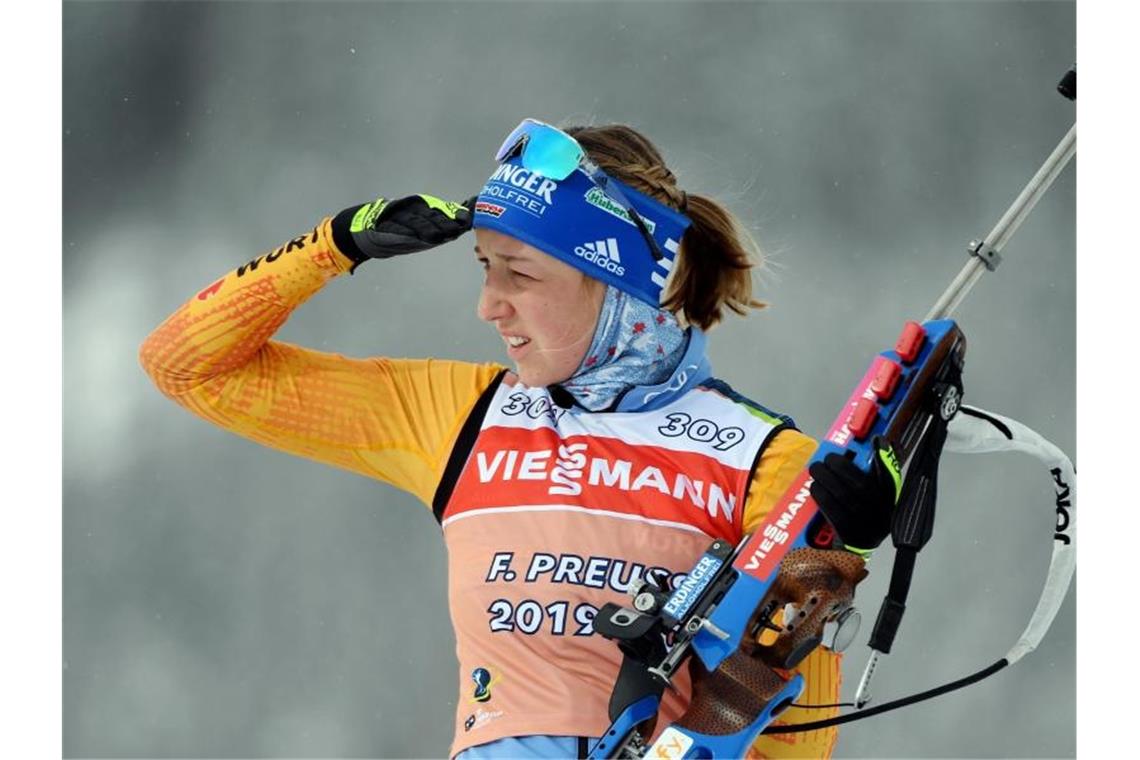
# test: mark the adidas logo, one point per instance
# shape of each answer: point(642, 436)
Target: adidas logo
point(604, 253)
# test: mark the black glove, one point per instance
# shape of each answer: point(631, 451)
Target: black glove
point(858, 505)
point(386, 228)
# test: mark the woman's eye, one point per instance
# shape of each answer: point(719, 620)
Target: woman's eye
point(517, 273)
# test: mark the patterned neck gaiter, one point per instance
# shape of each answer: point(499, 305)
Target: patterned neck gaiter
point(634, 344)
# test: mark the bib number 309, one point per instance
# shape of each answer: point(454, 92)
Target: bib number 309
point(701, 430)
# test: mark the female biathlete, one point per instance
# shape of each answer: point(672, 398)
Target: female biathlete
point(609, 454)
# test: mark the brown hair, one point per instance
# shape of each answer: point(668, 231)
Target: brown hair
point(714, 262)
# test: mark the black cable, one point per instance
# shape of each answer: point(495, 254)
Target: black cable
point(913, 698)
point(972, 412)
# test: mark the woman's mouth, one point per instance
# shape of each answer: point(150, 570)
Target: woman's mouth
point(516, 345)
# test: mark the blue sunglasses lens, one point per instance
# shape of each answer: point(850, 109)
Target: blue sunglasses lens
point(517, 138)
point(551, 154)
point(545, 149)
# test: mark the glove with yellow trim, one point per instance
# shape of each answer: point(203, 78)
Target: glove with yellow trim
point(859, 505)
point(386, 228)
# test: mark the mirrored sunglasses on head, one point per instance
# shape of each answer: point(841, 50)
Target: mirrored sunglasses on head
point(552, 153)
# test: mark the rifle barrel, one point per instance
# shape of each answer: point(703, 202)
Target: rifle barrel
point(1001, 233)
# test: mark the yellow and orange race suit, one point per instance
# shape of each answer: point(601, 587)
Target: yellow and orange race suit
point(394, 420)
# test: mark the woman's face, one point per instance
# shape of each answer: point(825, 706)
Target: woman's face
point(529, 295)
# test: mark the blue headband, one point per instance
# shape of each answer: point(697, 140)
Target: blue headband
point(575, 221)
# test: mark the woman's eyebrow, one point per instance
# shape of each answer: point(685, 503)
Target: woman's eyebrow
point(504, 256)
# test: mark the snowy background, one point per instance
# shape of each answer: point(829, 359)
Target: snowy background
point(221, 599)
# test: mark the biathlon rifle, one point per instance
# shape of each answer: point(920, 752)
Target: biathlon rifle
point(750, 613)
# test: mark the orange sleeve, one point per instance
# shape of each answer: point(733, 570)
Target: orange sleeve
point(390, 419)
point(787, 454)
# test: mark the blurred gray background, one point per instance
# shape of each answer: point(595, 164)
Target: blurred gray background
point(221, 599)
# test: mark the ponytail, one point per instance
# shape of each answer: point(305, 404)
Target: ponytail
point(714, 265)
point(713, 268)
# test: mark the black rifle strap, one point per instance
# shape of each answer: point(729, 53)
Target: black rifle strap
point(911, 528)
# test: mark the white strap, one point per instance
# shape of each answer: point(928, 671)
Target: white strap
point(972, 434)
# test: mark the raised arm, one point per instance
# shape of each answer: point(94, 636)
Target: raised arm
point(390, 419)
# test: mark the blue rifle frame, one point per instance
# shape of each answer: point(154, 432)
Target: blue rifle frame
point(893, 400)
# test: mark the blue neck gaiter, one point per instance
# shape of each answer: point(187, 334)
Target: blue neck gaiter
point(634, 344)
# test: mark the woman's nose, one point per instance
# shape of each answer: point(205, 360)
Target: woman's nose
point(492, 306)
